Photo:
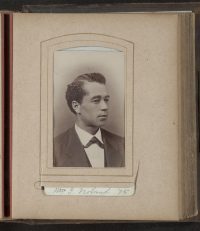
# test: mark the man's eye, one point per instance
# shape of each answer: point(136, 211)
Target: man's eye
point(106, 100)
point(96, 101)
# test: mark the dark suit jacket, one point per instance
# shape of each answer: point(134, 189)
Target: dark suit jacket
point(69, 151)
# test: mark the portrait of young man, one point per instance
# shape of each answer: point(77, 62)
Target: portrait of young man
point(87, 143)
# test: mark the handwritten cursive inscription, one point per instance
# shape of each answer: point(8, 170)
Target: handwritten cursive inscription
point(89, 191)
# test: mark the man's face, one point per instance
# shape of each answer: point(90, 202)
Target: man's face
point(93, 110)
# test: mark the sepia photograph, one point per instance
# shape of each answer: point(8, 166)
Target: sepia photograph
point(89, 107)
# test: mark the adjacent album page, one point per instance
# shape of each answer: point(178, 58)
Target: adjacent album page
point(95, 119)
point(1, 113)
point(1, 124)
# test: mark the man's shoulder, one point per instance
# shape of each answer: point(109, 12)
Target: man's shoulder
point(63, 137)
point(109, 135)
point(114, 146)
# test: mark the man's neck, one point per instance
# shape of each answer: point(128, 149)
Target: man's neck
point(89, 129)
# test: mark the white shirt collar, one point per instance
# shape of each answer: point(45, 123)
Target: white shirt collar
point(85, 137)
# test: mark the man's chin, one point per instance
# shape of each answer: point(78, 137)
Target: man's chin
point(101, 124)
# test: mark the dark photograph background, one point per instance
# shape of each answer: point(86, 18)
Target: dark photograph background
point(56, 6)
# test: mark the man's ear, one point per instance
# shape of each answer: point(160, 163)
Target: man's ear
point(76, 106)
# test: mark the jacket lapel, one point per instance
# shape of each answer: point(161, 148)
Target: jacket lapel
point(76, 152)
point(112, 159)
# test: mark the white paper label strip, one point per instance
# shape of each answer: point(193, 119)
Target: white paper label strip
point(89, 191)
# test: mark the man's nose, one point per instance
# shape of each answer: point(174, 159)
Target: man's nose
point(104, 105)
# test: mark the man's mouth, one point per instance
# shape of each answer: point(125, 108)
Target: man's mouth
point(103, 116)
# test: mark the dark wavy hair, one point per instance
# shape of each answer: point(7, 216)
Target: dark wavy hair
point(75, 91)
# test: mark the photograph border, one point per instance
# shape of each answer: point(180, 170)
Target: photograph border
point(46, 130)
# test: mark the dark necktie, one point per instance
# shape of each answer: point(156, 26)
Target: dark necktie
point(94, 140)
